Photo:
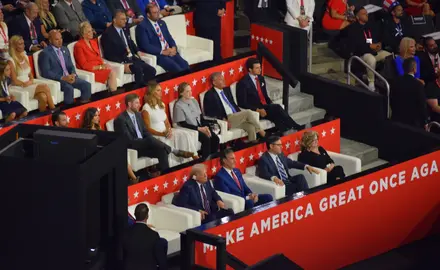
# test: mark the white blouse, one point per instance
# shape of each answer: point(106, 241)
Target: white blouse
point(157, 117)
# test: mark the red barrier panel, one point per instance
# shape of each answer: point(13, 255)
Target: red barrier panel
point(227, 38)
point(190, 30)
point(153, 189)
point(343, 224)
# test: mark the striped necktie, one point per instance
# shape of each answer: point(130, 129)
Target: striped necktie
point(281, 170)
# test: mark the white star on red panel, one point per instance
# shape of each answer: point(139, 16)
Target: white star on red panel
point(214, 169)
point(47, 123)
point(99, 109)
point(187, 23)
point(251, 157)
point(156, 188)
point(266, 40)
point(223, 73)
point(176, 87)
point(118, 105)
point(194, 82)
point(296, 142)
point(145, 191)
point(323, 133)
point(203, 79)
point(166, 91)
point(165, 185)
point(241, 160)
point(287, 145)
point(253, 37)
point(231, 71)
point(257, 38)
point(332, 131)
point(68, 119)
point(136, 194)
point(107, 108)
point(185, 178)
point(77, 116)
point(270, 42)
point(175, 182)
point(260, 154)
point(240, 69)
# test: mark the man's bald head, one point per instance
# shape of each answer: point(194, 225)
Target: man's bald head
point(31, 11)
point(55, 38)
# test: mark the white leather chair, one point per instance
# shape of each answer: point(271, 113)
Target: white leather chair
point(262, 186)
point(192, 48)
point(137, 163)
point(167, 200)
point(96, 86)
point(225, 134)
point(148, 58)
point(117, 68)
point(168, 223)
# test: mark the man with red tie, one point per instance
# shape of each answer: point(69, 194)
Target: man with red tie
point(230, 180)
point(131, 8)
point(252, 95)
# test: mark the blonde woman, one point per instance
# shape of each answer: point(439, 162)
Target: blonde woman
point(316, 156)
point(407, 49)
point(22, 78)
point(48, 21)
point(156, 121)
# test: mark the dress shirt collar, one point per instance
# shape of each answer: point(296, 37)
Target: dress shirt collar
point(142, 222)
point(27, 19)
point(153, 22)
point(411, 74)
point(219, 91)
point(56, 49)
point(70, 3)
point(130, 114)
point(118, 29)
point(228, 170)
point(274, 157)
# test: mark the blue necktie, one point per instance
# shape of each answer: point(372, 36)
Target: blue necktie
point(227, 101)
point(281, 170)
point(138, 132)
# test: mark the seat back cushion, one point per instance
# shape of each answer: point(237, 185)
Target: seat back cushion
point(202, 97)
point(100, 47)
point(171, 106)
point(132, 207)
point(168, 198)
point(234, 91)
point(37, 68)
point(110, 125)
point(294, 156)
point(70, 48)
point(177, 26)
point(133, 34)
point(251, 170)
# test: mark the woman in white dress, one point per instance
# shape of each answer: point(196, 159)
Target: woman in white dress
point(22, 77)
point(4, 40)
point(156, 121)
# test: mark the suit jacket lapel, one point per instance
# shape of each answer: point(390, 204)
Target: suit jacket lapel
point(274, 165)
point(130, 123)
point(199, 196)
point(56, 57)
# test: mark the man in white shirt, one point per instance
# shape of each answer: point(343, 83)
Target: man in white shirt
point(219, 103)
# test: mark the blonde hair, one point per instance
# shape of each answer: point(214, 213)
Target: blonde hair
point(43, 15)
point(149, 97)
point(404, 47)
point(181, 89)
point(307, 139)
point(13, 52)
point(82, 28)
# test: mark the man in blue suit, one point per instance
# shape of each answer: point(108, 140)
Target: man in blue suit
point(198, 194)
point(274, 166)
point(153, 37)
point(230, 180)
point(55, 64)
point(165, 9)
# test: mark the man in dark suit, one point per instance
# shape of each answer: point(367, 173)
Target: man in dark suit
point(198, 194)
point(118, 47)
point(142, 246)
point(262, 10)
point(230, 180)
point(219, 103)
point(274, 166)
point(153, 37)
point(130, 7)
point(252, 95)
point(29, 27)
point(69, 15)
point(131, 124)
point(207, 21)
point(429, 61)
point(408, 100)
point(55, 64)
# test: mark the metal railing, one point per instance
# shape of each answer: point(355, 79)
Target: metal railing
point(376, 74)
point(310, 47)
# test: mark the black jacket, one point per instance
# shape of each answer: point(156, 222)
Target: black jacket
point(213, 106)
point(393, 33)
point(247, 93)
point(114, 48)
point(427, 72)
point(358, 42)
point(206, 11)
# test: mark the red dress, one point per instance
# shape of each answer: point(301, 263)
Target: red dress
point(327, 21)
point(86, 58)
point(414, 11)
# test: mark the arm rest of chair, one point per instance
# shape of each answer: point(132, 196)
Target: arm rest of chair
point(132, 155)
point(196, 217)
point(149, 59)
point(20, 96)
point(200, 43)
point(223, 124)
point(280, 102)
point(351, 165)
point(171, 219)
point(262, 186)
point(86, 75)
point(231, 201)
point(312, 179)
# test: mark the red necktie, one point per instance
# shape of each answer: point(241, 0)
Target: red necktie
point(125, 4)
point(205, 199)
point(260, 92)
point(236, 179)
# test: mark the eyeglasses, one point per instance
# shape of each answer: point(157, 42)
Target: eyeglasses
point(277, 144)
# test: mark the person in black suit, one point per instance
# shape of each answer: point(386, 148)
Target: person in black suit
point(130, 7)
point(274, 166)
point(28, 26)
point(207, 21)
point(199, 195)
point(252, 95)
point(142, 246)
point(395, 27)
point(131, 124)
point(219, 103)
point(429, 61)
point(408, 100)
point(120, 48)
point(262, 10)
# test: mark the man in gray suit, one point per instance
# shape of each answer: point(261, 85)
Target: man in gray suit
point(69, 15)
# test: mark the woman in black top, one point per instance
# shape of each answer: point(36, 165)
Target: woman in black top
point(316, 156)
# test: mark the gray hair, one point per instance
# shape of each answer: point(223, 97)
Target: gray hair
point(196, 168)
point(30, 5)
point(214, 76)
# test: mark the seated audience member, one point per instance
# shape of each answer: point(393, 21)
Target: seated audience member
point(69, 15)
point(49, 23)
point(156, 121)
point(22, 78)
point(55, 64)
point(252, 95)
point(129, 8)
point(142, 248)
point(395, 27)
point(199, 195)
point(338, 15)
point(418, 7)
point(230, 180)
point(219, 103)
point(316, 156)
point(300, 13)
point(132, 126)
point(28, 26)
point(10, 108)
point(9, 9)
point(365, 42)
point(432, 98)
point(429, 61)
point(187, 114)
point(88, 57)
point(274, 166)
point(4, 38)
point(407, 50)
point(98, 14)
point(118, 47)
point(162, 5)
point(408, 101)
point(59, 119)
point(153, 37)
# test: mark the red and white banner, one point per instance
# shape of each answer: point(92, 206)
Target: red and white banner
point(343, 224)
point(153, 189)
